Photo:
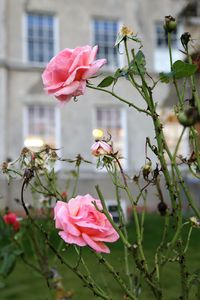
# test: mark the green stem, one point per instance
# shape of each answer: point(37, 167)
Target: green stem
point(138, 231)
point(178, 144)
point(180, 98)
point(184, 273)
point(188, 240)
point(89, 276)
point(193, 85)
point(130, 104)
point(195, 139)
point(76, 182)
point(116, 276)
point(107, 214)
point(123, 226)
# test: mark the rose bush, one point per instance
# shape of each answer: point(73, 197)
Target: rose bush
point(82, 224)
point(66, 74)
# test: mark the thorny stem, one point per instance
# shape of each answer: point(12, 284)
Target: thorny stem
point(121, 170)
point(130, 104)
point(183, 270)
point(116, 276)
point(171, 65)
point(76, 182)
point(106, 212)
point(123, 226)
point(193, 86)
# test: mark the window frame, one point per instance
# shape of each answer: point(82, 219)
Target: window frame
point(25, 51)
point(120, 57)
point(161, 62)
point(123, 113)
point(57, 122)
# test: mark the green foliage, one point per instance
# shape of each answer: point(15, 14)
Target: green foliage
point(138, 65)
point(106, 82)
point(25, 284)
point(180, 70)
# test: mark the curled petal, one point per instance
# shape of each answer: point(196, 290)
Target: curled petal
point(97, 246)
point(70, 239)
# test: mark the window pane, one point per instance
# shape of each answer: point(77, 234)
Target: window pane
point(41, 124)
point(161, 36)
point(109, 120)
point(105, 33)
point(40, 37)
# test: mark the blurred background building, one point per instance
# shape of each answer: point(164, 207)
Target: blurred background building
point(32, 31)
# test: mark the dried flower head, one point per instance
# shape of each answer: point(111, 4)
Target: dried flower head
point(125, 31)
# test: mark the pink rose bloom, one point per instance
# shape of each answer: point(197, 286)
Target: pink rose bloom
point(11, 218)
point(82, 224)
point(101, 148)
point(66, 74)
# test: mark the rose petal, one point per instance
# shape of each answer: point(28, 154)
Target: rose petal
point(110, 238)
point(70, 239)
point(93, 54)
point(94, 68)
point(97, 246)
point(68, 90)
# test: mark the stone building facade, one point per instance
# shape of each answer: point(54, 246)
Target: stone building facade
point(31, 31)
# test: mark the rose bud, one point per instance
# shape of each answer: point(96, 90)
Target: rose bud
point(101, 148)
point(188, 117)
point(11, 218)
point(162, 208)
point(170, 24)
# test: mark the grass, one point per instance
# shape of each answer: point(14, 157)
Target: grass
point(25, 284)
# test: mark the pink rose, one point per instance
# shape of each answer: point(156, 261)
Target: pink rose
point(66, 74)
point(101, 148)
point(82, 224)
point(11, 218)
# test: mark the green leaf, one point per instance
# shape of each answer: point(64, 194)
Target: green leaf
point(182, 69)
point(106, 81)
point(166, 77)
point(138, 65)
point(8, 264)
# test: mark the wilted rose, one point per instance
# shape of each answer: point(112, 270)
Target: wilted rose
point(101, 148)
point(82, 224)
point(66, 74)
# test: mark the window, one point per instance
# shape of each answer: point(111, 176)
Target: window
point(161, 53)
point(172, 131)
point(110, 121)
point(161, 37)
point(40, 126)
point(40, 37)
point(113, 209)
point(105, 34)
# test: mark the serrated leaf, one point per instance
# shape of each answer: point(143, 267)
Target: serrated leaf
point(182, 69)
point(106, 81)
point(138, 65)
